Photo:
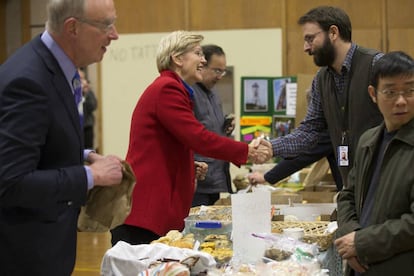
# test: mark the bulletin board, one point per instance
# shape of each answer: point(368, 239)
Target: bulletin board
point(129, 67)
point(267, 107)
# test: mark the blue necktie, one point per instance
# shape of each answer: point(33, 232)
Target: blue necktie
point(77, 87)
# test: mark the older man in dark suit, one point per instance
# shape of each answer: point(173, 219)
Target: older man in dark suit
point(43, 179)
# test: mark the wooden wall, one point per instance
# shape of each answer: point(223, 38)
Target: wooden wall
point(400, 27)
point(163, 16)
point(386, 25)
point(382, 24)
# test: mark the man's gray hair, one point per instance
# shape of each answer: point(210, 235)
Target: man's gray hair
point(60, 10)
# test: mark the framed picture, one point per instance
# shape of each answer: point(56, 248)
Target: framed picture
point(282, 125)
point(255, 95)
point(280, 93)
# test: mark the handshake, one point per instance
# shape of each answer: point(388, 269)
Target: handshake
point(260, 150)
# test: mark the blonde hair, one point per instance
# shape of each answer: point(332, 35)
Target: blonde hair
point(175, 44)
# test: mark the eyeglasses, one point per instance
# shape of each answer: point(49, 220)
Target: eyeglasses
point(106, 26)
point(392, 94)
point(309, 38)
point(199, 53)
point(219, 72)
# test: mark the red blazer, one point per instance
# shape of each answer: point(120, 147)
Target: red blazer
point(164, 133)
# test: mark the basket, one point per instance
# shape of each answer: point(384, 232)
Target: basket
point(314, 231)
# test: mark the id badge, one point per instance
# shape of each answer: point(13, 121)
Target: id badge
point(343, 160)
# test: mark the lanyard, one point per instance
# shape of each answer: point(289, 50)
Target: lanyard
point(343, 103)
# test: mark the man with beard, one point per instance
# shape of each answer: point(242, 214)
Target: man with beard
point(339, 102)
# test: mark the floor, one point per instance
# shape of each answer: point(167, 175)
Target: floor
point(91, 248)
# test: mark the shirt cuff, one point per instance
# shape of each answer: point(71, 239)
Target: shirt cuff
point(86, 152)
point(89, 177)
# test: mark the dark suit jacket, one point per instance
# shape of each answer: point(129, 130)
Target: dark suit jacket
point(42, 180)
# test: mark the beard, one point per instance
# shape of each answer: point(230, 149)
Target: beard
point(325, 55)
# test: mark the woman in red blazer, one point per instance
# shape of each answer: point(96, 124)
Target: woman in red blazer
point(164, 133)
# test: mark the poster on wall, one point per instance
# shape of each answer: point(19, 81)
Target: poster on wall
point(282, 125)
point(255, 126)
point(284, 91)
point(279, 94)
point(255, 95)
point(291, 96)
point(268, 107)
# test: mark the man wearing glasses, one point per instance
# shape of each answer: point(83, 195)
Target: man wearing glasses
point(208, 110)
point(43, 179)
point(375, 212)
point(339, 100)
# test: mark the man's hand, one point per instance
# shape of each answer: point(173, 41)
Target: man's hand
point(265, 151)
point(93, 157)
point(346, 245)
point(229, 124)
point(106, 171)
point(201, 169)
point(260, 151)
point(356, 265)
point(256, 178)
point(346, 248)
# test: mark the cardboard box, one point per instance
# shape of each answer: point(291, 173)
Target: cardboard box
point(325, 186)
point(308, 212)
point(317, 197)
point(276, 198)
point(285, 198)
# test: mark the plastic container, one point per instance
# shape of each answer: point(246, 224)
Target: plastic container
point(203, 228)
point(294, 232)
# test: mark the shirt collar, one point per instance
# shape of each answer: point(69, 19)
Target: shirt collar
point(189, 89)
point(346, 65)
point(203, 87)
point(63, 60)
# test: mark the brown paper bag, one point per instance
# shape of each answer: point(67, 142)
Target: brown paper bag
point(108, 207)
